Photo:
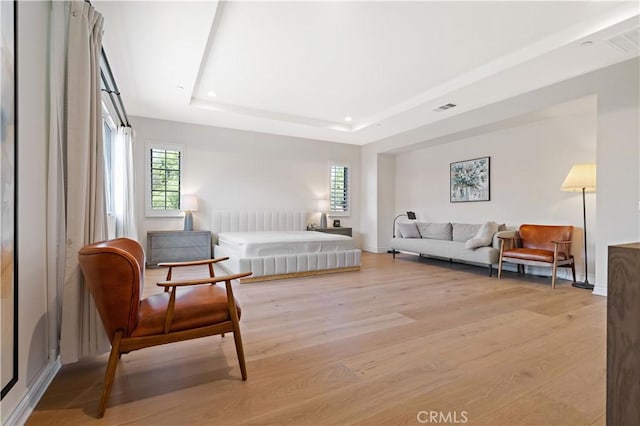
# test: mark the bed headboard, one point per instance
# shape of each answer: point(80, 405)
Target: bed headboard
point(258, 220)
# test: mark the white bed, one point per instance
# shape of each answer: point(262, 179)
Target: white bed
point(274, 245)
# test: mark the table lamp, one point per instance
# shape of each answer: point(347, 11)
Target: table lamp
point(189, 204)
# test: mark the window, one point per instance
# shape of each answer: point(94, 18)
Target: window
point(339, 189)
point(164, 179)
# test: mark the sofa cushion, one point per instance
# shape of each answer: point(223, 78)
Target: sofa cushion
point(435, 231)
point(484, 237)
point(408, 230)
point(462, 232)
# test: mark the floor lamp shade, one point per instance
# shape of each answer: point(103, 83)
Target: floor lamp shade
point(582, 178)
point(188, 204)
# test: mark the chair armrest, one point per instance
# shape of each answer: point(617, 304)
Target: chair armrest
point(210, 280)
point(562, 242)
point(208, 262)
point(192, 263)
point(501, 236)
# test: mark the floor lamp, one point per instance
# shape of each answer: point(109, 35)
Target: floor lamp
point(582, 178)
point(409, 215)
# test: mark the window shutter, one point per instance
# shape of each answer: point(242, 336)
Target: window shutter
point(339, 188)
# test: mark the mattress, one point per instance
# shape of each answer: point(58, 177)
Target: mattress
point(273, 243)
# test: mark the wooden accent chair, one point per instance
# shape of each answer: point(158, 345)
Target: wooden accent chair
point(114, 272)
point(539, 245)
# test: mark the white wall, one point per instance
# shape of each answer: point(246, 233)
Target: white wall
point(618, 157)
point(528, 164)
point(33, 20)
point(234, 169)
point(386, 199)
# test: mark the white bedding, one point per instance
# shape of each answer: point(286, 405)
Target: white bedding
point(272, 243)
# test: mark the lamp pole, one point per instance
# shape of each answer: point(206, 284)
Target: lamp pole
point(393, 232)
point(586, 285)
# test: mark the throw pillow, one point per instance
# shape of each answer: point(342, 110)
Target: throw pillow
point(484, 237)
point(408, 230)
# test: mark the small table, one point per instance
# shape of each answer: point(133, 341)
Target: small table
point(177, 246)
point(339, 231)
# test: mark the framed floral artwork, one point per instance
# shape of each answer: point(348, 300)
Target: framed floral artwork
point(469, 180)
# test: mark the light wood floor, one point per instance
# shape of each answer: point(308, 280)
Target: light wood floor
point(373, 347)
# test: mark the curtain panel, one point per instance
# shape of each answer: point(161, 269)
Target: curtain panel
point(76, 174)
point(124, 187)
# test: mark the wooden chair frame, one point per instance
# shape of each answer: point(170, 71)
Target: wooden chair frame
point(565, 263)
point(122, 345)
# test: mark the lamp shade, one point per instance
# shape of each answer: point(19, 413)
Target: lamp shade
point(189, 203)
point(323, 206)
point(580, 176)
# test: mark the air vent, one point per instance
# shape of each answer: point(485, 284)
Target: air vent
point(626, 42)
point(444, 107)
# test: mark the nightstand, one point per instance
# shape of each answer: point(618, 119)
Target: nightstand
point(177, 246)
point(339, 231)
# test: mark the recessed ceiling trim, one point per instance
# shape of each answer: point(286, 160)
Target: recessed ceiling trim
point(217, 16)
point(259, 113)
point(539, 48)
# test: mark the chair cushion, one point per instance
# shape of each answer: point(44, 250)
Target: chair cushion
point(532, 254)
point(541, 236)
point(196, 306)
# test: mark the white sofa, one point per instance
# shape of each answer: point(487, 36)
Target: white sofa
point(447, 240)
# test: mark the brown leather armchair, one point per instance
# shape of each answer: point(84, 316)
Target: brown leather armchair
point(114, 272)
point(539, 245)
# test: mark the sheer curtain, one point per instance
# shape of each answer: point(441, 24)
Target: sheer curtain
point(76, 173)
point(123, 188)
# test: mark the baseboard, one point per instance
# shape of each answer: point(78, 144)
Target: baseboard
point(25, 407)
point(600, 291)
point(375, 249)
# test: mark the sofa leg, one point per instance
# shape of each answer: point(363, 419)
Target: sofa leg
point(490, 270)
point(393, 252)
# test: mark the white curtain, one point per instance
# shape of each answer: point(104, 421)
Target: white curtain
point(55, 179)
point(76, 172)
point(123, 188)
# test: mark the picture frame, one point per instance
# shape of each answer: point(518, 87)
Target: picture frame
point(469, 180)
point(8, 199)
point(336, 223)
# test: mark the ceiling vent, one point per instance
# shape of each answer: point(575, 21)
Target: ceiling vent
point(626, 42)
point(444, 107)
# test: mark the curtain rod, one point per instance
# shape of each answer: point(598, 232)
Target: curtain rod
point(112, 90)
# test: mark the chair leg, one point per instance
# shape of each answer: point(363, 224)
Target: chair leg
point(573, 271)
point(239, 349)
point(500, 268)
point(553, 274)
point(110, 373)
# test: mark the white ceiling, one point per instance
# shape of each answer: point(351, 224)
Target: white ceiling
point(300, 68)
